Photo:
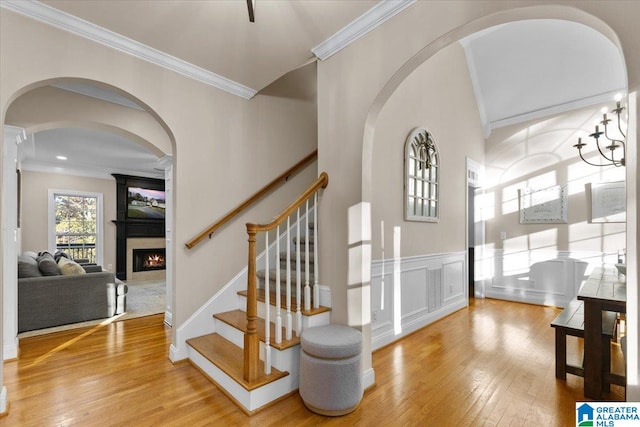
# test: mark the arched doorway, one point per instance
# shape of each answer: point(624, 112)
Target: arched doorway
point(429, 52)
point(85, 109)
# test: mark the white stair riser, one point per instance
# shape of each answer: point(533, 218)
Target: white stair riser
point(284, 360)
point(230, 333)
point(320, 319)
point(250, 400)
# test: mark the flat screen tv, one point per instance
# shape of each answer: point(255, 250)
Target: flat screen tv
point(143, 203)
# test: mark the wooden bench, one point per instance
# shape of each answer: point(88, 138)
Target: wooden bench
point(571, 322)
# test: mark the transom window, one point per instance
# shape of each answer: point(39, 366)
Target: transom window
point(422, 173)
point(75, 224)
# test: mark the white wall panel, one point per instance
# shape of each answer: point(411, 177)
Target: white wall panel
point(431, 287)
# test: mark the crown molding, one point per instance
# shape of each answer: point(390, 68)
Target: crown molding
point(557, 109)
point(370, 20)
point(82, 28)
point(475, 83)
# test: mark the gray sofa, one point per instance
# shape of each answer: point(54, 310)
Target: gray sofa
point(54, 300)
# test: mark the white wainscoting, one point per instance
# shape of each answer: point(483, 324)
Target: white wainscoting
point(429, 288)
point(542, 277)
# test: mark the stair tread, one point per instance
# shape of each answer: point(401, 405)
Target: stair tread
point(283, 276)
point(294, 307)
point(303, 239)
point(238, 319)
point(229, 358)
point(294, 255)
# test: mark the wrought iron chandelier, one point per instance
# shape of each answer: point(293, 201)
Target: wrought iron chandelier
point(251, 7)
point(614, 143)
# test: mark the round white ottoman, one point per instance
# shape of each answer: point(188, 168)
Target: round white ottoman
point(330, 379)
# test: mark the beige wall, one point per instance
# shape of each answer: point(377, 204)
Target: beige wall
point(539, 154)
point(356, 83)
point(224, 147)
point(439, 97)
point(35, 196)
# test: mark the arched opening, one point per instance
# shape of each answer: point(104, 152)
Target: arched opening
point(372, 185)
point(103, 130)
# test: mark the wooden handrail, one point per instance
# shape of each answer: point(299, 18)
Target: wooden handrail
point(321, 182)
point(251, 341)
point(284, 176)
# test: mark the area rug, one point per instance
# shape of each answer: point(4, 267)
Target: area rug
point(144, 298)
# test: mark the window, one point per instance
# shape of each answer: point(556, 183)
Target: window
point(422, 174)
point(75, 224)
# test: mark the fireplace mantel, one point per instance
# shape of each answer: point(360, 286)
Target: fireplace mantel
point(127, 228)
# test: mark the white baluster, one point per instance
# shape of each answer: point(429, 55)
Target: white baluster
point(278, 314)
point(288, 302)
point(307, 289)
point(316, 268)
point(298, 278)
point(267, 316)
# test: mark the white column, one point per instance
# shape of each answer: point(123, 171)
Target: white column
point(167, 163)
point(12, 136)
point(359, 282)
point(633, 257)
point(267, 309)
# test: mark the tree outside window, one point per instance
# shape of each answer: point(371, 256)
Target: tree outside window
point(76, 225)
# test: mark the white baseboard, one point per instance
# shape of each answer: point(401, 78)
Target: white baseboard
point(3, 400)
point(10, 351)
point(368, 378)
point(176, 354)
point(325, 296)
point(168, 318)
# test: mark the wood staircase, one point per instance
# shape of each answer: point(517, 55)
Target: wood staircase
point(222, 355)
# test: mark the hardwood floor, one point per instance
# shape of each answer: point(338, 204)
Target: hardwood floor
point(490, 364)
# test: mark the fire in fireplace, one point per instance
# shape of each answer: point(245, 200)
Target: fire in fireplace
point(149, 259)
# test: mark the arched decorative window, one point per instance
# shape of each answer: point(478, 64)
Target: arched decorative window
point(422, 175)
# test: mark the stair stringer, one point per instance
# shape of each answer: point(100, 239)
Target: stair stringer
point(200, 323)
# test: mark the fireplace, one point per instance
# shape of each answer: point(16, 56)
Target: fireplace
point(137, 232)
point(148, 259)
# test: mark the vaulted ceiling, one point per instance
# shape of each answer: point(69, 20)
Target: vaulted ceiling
point(520, 71)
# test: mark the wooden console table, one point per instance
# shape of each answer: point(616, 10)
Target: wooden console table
point(605, 289)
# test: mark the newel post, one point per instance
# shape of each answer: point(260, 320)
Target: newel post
point(251, 341)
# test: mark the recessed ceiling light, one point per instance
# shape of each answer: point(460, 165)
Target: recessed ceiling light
point(61, 158)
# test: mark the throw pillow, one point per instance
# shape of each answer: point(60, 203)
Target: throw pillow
point(47, 265)
point(31, 254)
point(27, 267)
point(68, 267)
point(72, 268)
point(60, 254)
